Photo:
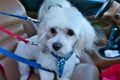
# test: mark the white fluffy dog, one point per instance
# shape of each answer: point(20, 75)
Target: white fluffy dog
point(62, 35)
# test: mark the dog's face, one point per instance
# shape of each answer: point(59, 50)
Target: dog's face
point(64, 30)
point(61, 41)
point(60, 34)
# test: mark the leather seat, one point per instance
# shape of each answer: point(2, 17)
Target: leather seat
point(11, 23)
point(83, 71)
point(16, 26)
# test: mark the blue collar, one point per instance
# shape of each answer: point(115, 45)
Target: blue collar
point(61, 62)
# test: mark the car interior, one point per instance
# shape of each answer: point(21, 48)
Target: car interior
point(107, 19)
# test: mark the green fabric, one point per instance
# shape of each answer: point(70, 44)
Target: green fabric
point(31, 5)
point(87, 7)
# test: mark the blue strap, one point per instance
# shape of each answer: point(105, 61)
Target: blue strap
point(61, 62)
point(18, 16)
point(104, 7)
point(24, 18)
point(21, 17)
point(21, 59)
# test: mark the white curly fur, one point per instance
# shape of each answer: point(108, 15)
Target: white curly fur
point(61, 23)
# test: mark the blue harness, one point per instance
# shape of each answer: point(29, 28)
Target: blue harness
point(61, 62)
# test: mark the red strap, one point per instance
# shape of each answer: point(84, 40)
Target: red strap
point(29, 76)
point(3, 71)
point(13, 35)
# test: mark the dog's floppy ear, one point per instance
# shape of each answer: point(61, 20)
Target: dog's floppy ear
point(87, 36)
point(42, 31)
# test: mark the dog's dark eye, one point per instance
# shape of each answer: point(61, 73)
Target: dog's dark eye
point(53, 30)
point(70, 32)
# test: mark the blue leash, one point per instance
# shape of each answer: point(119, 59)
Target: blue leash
point(18, 16)
point(27, 18)
point(21, 59)
point(21, 17)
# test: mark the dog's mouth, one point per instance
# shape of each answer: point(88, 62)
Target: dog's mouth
point(62, 55)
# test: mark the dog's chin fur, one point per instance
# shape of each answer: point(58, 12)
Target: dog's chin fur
point(70, 29)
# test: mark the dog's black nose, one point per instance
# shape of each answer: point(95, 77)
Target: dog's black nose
point(56, 46)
